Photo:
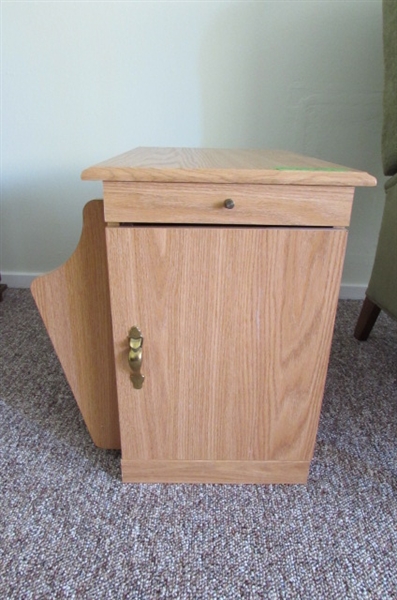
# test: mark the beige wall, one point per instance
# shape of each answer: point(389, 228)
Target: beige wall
point(86, 80)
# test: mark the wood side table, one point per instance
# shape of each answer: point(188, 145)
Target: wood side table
point(194, 320)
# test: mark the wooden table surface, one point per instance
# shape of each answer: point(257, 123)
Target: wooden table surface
point(211, 165)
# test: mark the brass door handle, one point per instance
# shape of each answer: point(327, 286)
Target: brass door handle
point(135, 357)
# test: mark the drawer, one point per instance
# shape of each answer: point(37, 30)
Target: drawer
point(285, 205)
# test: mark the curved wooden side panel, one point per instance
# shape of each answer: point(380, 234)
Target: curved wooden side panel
point(74, 304)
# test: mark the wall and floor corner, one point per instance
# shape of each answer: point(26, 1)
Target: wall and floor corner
point(84, 81)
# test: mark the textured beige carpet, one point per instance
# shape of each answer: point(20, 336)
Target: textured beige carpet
point(70, 529)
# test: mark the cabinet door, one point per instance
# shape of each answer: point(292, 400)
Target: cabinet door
point(237, 325)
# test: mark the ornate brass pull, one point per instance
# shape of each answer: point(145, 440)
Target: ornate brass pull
point(135, 357)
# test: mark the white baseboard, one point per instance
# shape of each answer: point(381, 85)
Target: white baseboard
point(18, 280)
point(352, 291)
point(23, 280)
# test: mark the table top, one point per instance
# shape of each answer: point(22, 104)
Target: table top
point(212, 165)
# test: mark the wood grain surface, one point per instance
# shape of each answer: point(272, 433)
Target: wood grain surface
point(209, 165)
point(222, 471)
point(74, 304)
point(204, 203)
point(237, 327)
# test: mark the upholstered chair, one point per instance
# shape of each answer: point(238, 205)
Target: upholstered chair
point(382, 288)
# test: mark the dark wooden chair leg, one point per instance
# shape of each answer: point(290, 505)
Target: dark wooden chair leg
point(366, 320)
point(3, 288)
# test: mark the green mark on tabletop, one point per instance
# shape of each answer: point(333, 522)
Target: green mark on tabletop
point(310, 169)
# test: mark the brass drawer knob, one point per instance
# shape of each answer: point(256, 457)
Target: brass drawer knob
point(229, 203)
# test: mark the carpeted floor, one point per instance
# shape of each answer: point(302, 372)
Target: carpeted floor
point(70, 529)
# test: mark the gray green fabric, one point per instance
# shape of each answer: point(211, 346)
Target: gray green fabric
point(389, 133)
point(382, 288)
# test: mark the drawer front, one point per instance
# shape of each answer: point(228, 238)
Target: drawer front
point(285, 205)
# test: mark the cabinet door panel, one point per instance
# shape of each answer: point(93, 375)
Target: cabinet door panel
point(237, 326)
